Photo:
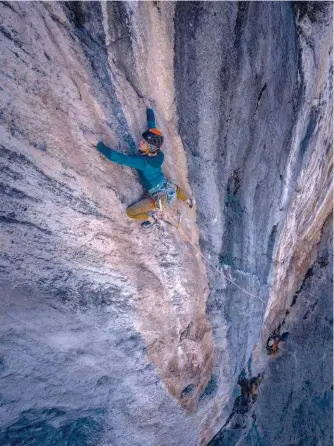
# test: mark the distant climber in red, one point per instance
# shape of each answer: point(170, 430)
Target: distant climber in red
point(148, 162)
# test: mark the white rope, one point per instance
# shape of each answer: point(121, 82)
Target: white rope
point(208, 261)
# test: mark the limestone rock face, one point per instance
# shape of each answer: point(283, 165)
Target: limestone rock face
point(293, 403)
point(112, 335)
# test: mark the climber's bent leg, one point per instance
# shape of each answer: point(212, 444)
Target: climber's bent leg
point(140, 210)
point(181, 195)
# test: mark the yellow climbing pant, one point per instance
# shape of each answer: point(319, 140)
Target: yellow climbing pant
point(140, 210)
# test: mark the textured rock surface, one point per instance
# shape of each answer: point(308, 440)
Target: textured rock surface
point(269, 153)
point(112, 336)
point(295, 399)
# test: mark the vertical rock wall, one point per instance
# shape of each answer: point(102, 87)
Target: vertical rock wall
point(107, 335)
point(294, 404)
point(112, 318)
point(241, 72)
point(260, 162)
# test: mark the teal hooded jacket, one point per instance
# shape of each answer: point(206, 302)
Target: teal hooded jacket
point(148, 167)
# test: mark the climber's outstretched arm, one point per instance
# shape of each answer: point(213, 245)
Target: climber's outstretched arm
point(136, 162)
point(150, 118)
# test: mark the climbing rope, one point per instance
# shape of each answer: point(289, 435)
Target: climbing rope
point(207, 260)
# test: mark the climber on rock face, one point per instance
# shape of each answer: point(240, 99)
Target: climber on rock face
point(148, 162)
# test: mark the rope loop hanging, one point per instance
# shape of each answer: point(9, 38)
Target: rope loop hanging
point(207, 260)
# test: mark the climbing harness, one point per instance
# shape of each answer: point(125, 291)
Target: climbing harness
point(208, 261)
point(165, 190)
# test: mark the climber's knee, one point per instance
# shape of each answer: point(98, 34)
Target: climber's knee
point(130, 212)
point(140, 210)
point(136, 213)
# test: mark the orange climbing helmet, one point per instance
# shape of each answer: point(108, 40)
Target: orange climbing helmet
point(154, 137)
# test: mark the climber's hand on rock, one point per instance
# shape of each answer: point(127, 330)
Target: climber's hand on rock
point(147, 103)
point(91, 138)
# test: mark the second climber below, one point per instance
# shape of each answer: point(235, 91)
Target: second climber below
point(159, 191)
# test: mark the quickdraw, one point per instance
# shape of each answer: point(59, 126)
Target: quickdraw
point(163, 196)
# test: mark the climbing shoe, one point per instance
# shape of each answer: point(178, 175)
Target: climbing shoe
point(148, 223)
point(191, 202)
